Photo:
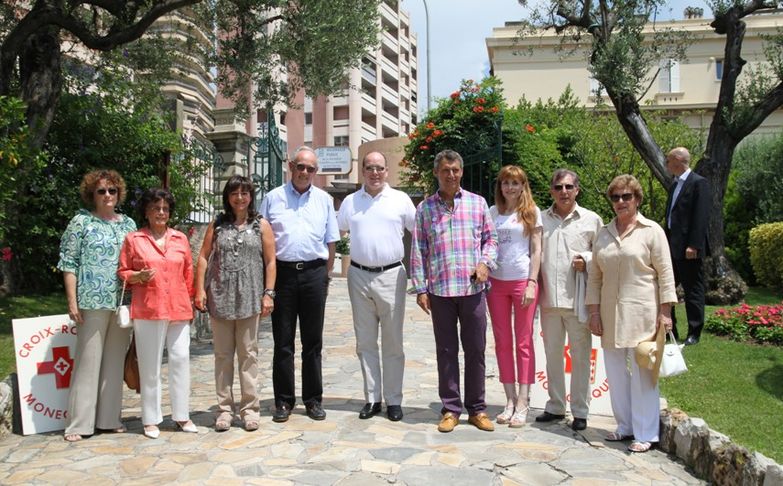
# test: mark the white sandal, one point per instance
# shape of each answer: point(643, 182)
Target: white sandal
point(506, 415)
point(519, 419)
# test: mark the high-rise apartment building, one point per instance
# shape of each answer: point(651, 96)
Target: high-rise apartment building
point(380, 99)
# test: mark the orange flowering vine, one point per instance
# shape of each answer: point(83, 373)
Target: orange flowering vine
point(437, 133)
point(424, 147)
point(430, 125)
point(478, 109)
point(481, 101)
point(530, 128)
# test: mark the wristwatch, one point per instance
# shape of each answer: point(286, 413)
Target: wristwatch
point(270, 293)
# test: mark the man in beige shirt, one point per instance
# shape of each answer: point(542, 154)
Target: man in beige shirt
point(569, 230)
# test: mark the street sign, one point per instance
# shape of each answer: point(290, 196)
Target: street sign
point(334, 160)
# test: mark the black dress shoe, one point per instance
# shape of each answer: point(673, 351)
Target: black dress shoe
point(281, 414)
point(315, 411)
point(549, 417)
point(394, 412)
point(691, 340)
point(370, 410)
point(579, 424)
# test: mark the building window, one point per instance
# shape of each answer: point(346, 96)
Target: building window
point(341, 141)
point(308, 118)
point(669, 76)
point(718, 69)
point(341, 113)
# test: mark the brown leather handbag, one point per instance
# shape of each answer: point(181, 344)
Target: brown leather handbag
point(131, 375)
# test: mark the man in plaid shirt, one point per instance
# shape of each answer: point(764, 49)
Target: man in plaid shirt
point(454, 247)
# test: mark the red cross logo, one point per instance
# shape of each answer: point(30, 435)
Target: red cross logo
point(61, 365)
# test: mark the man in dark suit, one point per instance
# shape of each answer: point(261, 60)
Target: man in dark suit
point(687, 220)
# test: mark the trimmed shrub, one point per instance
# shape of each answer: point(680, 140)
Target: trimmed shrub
point(766, 254)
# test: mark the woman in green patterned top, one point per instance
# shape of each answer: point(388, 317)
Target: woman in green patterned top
point(89, 255)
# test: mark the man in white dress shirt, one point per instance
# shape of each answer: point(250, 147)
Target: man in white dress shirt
point(569, 230)
point(376, 216)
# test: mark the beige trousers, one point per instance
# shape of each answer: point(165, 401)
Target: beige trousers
point(95, 400)
point(241, 337)
point(555, 324)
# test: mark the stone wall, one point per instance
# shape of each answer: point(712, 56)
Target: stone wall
point(712, 455)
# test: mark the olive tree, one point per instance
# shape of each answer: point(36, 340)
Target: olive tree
point(623, 59)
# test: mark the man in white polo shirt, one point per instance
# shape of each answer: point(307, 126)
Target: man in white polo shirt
point(376, 216)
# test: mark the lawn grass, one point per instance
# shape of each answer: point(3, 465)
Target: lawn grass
point(736, 388)
point(18, 307)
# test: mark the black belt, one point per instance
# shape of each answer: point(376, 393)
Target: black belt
point(302, 265)
point(376, 269)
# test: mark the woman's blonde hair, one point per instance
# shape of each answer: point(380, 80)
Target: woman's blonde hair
point(526, 207)
point(626, 181)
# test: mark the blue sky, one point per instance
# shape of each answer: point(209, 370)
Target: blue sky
point(459, 29)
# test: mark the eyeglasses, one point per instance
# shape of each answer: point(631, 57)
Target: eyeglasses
point(102, 191)
point(559, 187)
point(626, 196)
point(309, 168)
point(375, 168)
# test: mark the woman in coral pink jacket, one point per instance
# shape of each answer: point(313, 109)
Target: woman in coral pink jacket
point(156, 261)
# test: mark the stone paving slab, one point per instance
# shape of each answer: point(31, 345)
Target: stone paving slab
point(342, 450)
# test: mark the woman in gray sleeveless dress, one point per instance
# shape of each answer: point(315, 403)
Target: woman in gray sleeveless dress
point(235, 282)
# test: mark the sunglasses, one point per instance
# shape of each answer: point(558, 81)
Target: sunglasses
point(559, 187)
point(626, 196)
point(310, 169)
point(102, 191)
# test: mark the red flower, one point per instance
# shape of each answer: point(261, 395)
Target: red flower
point(478, 109)
point(530, 128)
point(428, 139)
point(481, 101)
point(7, 254)
point(424, 147)
point(494, 109)
point(455, 95)
point(430, 125)
point(437, 133)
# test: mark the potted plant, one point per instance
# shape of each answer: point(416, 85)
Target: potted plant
point(343, 247)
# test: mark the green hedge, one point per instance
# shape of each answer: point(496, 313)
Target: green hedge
point(766, 254)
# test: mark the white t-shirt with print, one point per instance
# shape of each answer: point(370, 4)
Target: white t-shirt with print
point(513, 246)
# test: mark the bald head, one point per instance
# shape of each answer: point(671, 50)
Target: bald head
point(677, 160)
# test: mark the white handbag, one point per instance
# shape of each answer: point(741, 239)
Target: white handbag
point(673, 363)
point(122, 314)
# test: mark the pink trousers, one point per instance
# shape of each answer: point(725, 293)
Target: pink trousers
point(505, 297)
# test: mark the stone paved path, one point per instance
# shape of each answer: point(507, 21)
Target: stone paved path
point(342, 449)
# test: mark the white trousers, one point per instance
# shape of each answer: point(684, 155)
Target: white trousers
point(555, 324)
point(635, 399)
point(95, 399)
point(379, 299)
point(151, 336)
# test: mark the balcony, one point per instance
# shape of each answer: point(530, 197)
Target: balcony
point(368, 132)
point(369, 74)
point(390, 122)
point(390, 42)
point(388, 15)
point(390, 68)
point(390, 95)
point(368, 102)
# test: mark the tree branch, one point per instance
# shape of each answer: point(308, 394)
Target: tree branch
point(761, 110)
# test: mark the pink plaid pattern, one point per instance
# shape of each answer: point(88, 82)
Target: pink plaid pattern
point(448, 244)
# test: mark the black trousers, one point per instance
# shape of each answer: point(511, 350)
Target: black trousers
point(300, 294)
point(690, 274)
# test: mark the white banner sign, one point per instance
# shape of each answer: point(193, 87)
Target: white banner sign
point(334, 160)
point(599, 385)
point(45, 347)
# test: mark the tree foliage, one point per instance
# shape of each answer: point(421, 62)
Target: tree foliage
point(268, 46)
point(542, 137)
point(468, 121)
point(622, 55)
